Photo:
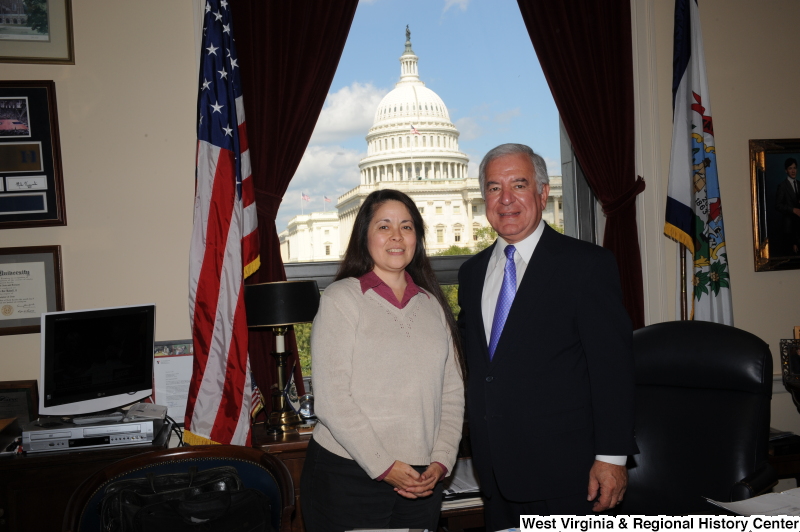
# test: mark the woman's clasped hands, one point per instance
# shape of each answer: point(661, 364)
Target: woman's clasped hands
point(411, 484)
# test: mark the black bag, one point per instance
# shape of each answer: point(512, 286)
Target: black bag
point(210, 500)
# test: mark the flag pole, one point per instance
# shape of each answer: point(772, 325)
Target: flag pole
point(684, 306)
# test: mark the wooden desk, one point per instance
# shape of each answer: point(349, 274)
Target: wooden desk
point(786, 466)
point(291, 449)
point(35, 488)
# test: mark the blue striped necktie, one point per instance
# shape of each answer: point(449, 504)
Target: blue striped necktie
point(504, 300)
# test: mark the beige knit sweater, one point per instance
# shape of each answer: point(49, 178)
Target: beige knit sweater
point(386, 384)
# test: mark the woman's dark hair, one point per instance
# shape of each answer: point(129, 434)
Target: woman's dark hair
point(357, 261)
point(789, 162)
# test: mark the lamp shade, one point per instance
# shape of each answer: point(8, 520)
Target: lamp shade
point(280, 304)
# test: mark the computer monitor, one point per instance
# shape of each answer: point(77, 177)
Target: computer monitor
point(96, 360)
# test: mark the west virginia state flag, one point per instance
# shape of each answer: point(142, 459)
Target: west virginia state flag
point(694, 205)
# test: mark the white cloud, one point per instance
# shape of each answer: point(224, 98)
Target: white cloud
point(507, 116)
point(347, 112)
point(462, 4)
point(469, 128)
point(553, 166)
point(324, 171)
point(472, 167)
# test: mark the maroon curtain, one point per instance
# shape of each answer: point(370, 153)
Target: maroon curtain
point(584, 48)
point(288, 55)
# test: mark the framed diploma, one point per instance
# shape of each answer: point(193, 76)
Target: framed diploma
point(30, 284)
point(19, 399)
point(31, 184)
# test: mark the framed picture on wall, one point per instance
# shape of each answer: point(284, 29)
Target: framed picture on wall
point(36, 31)
point(776, 203)
point(31, 184)
point(30, 284)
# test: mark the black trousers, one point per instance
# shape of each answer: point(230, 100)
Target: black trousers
point(501, 513)
point(338, 495)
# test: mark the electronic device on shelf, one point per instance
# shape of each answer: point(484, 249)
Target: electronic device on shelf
point(54, 434)
point(96, 360)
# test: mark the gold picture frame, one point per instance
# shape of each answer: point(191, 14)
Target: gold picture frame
point(41, 36)
point(773, 240)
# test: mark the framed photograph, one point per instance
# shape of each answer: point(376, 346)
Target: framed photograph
point(30, 284)
point(19, 399)
point(31, 184)
point(776, 203)
point(36, 31)
point(173, 347)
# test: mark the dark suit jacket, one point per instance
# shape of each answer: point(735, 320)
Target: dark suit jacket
point(785, 201)
point(560, 387)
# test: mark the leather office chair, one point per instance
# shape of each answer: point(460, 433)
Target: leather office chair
point(256, 468)
point(703, 393)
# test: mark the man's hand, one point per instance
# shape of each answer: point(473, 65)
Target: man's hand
point(609, 481)
point(410, 484)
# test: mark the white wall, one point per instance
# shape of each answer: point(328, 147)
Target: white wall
point(126, 112)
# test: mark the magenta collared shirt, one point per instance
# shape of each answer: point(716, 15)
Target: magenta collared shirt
point(371, 280)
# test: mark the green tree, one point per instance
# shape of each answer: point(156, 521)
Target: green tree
point(302, 331)
point(37, 15)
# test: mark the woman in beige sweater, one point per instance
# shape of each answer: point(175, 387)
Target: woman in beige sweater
point(388, 381)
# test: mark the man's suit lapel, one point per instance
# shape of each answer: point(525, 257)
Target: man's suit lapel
point(523, 318)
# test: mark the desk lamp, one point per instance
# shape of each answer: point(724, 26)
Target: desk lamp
point(276, 306)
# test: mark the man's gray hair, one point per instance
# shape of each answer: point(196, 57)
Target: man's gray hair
point(539, 166)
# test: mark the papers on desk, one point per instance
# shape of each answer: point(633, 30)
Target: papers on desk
point(461, 489)
point(463, 482)
point(784, 503)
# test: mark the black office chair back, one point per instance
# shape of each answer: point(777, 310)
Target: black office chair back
point(257, 470)
point(703, 393)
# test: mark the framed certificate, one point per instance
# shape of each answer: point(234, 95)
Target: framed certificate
point(31, 184)
point(19, 399)
point(30, 284)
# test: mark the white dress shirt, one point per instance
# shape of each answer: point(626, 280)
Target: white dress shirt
point(494, 281)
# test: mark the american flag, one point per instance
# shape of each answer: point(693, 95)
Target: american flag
point(224, 247)
point(327, 199)
point(414, 130)
point(305, 197)
point(257, 404)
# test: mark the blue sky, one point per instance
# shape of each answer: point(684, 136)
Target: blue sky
point(475, 54)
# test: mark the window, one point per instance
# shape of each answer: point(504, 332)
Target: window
point(475, 234)
point(438, 209)
point(474, 209)
point(457, 235)
point(422, 210)
point(456, 209)
point(327, 249)
point(439, 234)
point(327, 232)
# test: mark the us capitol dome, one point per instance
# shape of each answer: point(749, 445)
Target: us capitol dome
point(412, 146)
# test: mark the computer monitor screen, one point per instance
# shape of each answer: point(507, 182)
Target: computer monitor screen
point(95, 360)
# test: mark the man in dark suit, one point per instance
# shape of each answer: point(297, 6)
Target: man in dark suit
point(548, 350)
point(787, 201)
